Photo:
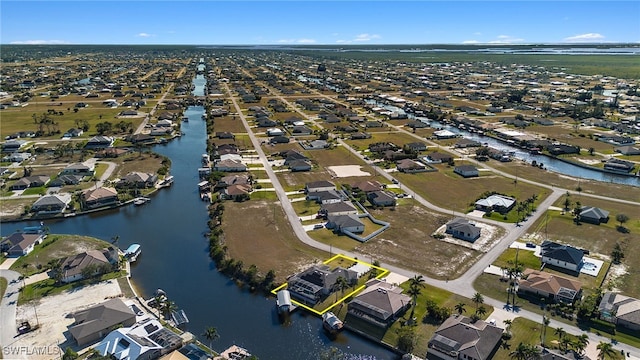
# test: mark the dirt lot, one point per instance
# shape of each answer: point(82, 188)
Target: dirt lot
point(53, 315)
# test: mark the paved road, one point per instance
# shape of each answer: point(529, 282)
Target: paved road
point(8, 306)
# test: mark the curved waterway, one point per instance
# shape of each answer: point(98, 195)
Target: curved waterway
point(171, 228)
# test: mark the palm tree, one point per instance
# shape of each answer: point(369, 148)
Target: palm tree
point(342, 285)
point(460, 308)
point(560, 332)
point(581, 343)
point(477, 299)
point(545, 323)
point(211, 334)
point(520, 352)
point(416, 281)
point(507, 325)
point(533, 353)
point(414, 292)
point(481, 311)
point(605, 350)
point(565, 342)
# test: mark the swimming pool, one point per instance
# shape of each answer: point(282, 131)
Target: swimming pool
point(589, 266)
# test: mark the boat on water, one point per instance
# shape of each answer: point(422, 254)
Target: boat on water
point(141, 200)
point(283, 302)
point(179, 317)
point(185, 119)
point(132, 252)
point(331, 323)
point(167, 181)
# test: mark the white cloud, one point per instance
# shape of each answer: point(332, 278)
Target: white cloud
point(506, 39)
point(143, 34)
point(471, 42)
point(366, 37)
point(588, 37)
point(40, 42)
point(306, 41)
point(297, 41)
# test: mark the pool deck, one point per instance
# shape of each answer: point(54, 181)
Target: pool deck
point(593, 270)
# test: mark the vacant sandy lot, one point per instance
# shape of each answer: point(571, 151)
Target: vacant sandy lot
point(53, 315)
point(348, 171)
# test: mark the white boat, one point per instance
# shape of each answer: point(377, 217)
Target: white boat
point(133, 252)
point(167, 181)
point(331, 323)
point(140, 201)
point(185, 119)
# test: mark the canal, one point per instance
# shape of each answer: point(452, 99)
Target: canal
point(171, 231)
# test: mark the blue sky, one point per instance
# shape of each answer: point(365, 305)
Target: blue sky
point(318, 22)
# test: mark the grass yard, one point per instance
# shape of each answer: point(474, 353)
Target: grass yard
point(270, 243)
point(145, 162)
point(450, 191)
point(409, 237)
point(48, 287)
point(395, 137)
point(3, 286)
point(55, 247)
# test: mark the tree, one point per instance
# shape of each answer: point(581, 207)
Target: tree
point(622, 218)
point(460, 308)
point(520, 352)
point(416, 283)
point(211, 334)
point(605, 350)
point(507, 325)
point(617, 254)
point(69, 354)
point(567, 202)
point(477, 299)
point(545, 323)
point(580, 344)
point(406, 339)
point(577, 210)
point(481, 311)
point(342, 285)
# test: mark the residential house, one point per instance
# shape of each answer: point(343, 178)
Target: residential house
point(51, 204)
point(63, 180)
point(20, 244)
point(141, 139)
point(100, 197)
point(78, 169)
point(462, 229)
point(345, 223)
point(326, 197)
point(264, 122)
point(13, 145)
point(316, 186)
point(315, 144)
point(379, 304)
point(93, 323)
point(381, 198)
point(563, 256)
point(17, 157)
point(73, 132)
point(619, 165)
point(236, 191)
point(99, 142)
point(139, 180)
point(553, 287)
point(300, 165)
point(466, 171)
point(275, 132)
point(466, 143)
point(461, 338)
point(621, 310)
point(496, 202)
point(229, 165)
point(444, 134)
point(301, 130)
point(91, 262)
point(236, 179)
point(594, 215)
point(279, 140)
point(628, 150)
point(146, 340)
point(416, 147)
point(410, 166)
point(337, 208)
point(367, 186)
point(30, 181)
point(438, 158)
point(317, 282)
point(225, 135)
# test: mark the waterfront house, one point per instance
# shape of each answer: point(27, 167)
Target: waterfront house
point(236, 179)
point(229, 165)
point(236, 191)
point(461, 338)
point(145, 340)
point(20, 244)
point(90, 262)
point(562, 256)
point(100, 197)
point(496, 202)
point(553, 287)
point(139, 180)
point(345, 223)
point(620, 310)
point(51, 204)
point(317, 282)
point(93, 323)
point(466, 143)
point(619, 165)
point(379, 304)
point(462, 229)
point(594, 215)
point(466, 171)
point(444, 134)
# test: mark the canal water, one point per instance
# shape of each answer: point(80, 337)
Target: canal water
point(171, 231)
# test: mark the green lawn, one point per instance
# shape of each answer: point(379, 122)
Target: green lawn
point(48, 287)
